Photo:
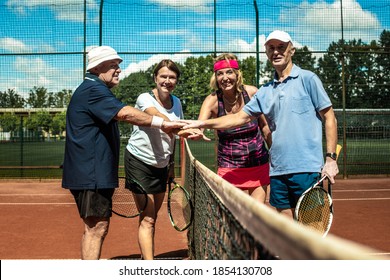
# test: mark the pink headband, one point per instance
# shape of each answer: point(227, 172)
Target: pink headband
point(225, 64)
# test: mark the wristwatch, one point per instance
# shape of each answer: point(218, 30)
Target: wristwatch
point(332, 155)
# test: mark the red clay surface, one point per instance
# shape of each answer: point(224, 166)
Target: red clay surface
point(40, 221)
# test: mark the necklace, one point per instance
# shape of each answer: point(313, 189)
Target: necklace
point(229, 102)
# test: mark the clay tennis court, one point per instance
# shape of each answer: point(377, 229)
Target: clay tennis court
point(40, 221)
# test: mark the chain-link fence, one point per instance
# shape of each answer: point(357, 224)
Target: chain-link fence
point(347, 43)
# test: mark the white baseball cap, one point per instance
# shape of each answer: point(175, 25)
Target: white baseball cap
point(278, 35)
point(101, 54)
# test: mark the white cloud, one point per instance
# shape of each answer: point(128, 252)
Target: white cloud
point(240, 45)
point(13, 45)
point(171, 32)
point(322, 14)
point(69, 10)
point(235, 24)
point(322, 24)
point(318, 25)
point(37, 72)
point(36, 67)
point(145, 64)
point(195, 5)
point(231, 24)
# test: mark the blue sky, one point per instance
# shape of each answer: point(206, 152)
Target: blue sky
point(181, 26)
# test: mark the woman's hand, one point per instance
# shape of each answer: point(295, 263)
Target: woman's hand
point(193, 134)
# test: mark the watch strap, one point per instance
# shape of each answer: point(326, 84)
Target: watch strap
point(332, 155)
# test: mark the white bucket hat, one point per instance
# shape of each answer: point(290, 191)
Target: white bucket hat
point(278, 35)
point(101, 54)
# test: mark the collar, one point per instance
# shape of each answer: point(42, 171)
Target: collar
point(92, 77)
point(293, 74)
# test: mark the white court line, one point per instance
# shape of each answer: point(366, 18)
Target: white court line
point(362, 199)
point(37, 203)
point(367, 190)
point(33, 194)
point(43, 203)
point(380, 254)
point(68, 194)
point(72, 203)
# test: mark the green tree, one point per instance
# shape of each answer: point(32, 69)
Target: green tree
point(58, 123)
point(133, 85)
point(382, 74)
point(248, 69)
point(330, 70)
point(304, 58)
point(358, 72)
point(42, 120)
point(38, 98)
point(9, 122)
point(128, 91)
point(31, 123)
point(50, 100)
point(62, 98)
point(267, 73)
point(11, 99)
point(194, 83)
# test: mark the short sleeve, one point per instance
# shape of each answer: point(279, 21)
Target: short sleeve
point(317, 93)
point(144, 101)
point(253, 107)
point(103, 104)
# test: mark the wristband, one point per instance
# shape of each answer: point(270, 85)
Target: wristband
point(156, 122)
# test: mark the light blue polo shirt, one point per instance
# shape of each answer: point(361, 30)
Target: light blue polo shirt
point(291, 109)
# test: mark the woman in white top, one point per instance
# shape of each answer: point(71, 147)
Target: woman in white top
point(150, 152)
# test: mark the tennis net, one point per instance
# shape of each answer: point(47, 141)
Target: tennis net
point(229, 224)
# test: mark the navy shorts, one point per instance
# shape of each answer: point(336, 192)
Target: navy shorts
point(286, 189)
point(94, 203)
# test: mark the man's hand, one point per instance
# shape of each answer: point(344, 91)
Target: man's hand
point(330, 169)
point(169, 127)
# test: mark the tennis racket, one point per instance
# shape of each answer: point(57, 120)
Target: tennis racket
point(129, 203)
point(179, 206)
point(315, 206)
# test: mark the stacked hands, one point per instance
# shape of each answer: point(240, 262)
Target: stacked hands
point(191, 129)
point(185, 128)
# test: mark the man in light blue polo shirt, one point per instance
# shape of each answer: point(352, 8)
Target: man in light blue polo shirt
point(296, 106)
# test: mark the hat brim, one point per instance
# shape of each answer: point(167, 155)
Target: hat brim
point(284, 40)
point(95, 63)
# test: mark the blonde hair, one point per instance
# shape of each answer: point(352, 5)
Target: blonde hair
point(240, 80)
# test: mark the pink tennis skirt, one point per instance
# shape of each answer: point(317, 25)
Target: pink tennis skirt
point(246, 178)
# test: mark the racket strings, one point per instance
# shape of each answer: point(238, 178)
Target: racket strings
point(128, 203)
point(180, 208)
point(124, 204)
point(315, 210)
